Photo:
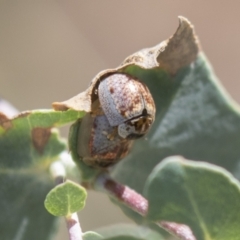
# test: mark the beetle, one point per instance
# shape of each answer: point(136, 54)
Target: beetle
point(127, 104)
point(123, 112)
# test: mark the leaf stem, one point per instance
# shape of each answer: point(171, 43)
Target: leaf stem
point(122, 193)
point(74, 228)
point(139, 204)
point(181, 231)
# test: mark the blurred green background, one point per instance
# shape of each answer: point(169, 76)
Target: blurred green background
point(50, 51)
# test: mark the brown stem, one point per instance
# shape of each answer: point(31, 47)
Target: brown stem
point(181, 231)
point(139, 204)
point(128, 196)
point(74, 228)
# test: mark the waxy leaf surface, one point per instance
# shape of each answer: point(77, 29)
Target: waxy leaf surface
point(65, 199)
point(195, 118)
point(28, 145)
point(198, 194)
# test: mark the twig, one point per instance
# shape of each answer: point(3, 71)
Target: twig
point(139, 204)
point(122, 193)
point(74, 228)
point(181, 231)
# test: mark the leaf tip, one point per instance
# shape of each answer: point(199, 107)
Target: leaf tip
point(80, 102)
point(58, 106)
point(181, 49)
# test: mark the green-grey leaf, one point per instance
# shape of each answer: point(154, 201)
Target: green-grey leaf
point(65, 199)
point(28, 144)
point(128, 232)
point(92, 236)
point(199, 194)
point(27, 139)
point(22, 195)
point(195, 119)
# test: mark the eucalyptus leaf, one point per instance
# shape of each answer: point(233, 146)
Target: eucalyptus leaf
point(195, 118)
point(28, 145)
point(198, 194)
point(65, 199)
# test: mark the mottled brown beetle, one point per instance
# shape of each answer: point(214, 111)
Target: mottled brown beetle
point(127, 104)
point(124, 111)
